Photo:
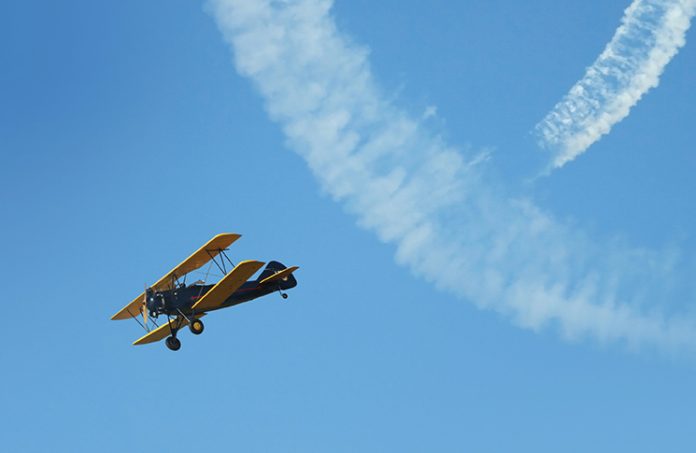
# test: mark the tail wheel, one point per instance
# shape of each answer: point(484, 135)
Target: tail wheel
point(173, 343)
point(196, 327)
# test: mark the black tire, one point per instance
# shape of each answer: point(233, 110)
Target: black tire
point(284, 295)
point(173, 343)
point(196, 327)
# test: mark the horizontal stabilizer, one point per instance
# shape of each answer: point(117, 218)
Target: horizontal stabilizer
point(280, 275)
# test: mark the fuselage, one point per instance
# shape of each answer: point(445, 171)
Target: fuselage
point(182, 298)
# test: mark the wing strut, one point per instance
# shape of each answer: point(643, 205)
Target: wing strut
point(137, 320)
point(220, 265)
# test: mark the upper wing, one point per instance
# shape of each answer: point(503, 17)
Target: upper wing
point(131, 310)
point(280, 275)
point(197, 259)
point(228, 285)
point(162, 331)
point(200, 257)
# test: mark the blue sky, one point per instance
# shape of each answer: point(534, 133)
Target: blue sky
point(129, 138)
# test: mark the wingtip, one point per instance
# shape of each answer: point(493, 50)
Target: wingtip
point(235, 235)
point(252, 262)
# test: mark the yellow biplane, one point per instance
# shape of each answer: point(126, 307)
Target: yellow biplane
point(184, 304)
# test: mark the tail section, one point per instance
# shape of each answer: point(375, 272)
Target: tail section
point(278, 275)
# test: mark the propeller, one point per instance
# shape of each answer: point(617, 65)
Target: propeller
point(143, 307)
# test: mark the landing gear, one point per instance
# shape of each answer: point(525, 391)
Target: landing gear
point(173, 343)
point(284, 295)
point(196, 327)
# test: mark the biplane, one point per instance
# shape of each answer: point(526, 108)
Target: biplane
point(184, 304)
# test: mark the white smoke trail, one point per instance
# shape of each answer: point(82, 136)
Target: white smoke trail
point(651, 33)
point(449, 224)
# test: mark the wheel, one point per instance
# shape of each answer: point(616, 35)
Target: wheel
point(196, 327)
point(173, 343)
point(284, 295)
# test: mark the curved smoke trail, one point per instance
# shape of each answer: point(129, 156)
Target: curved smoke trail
point(651, 33)
point(450, 224)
